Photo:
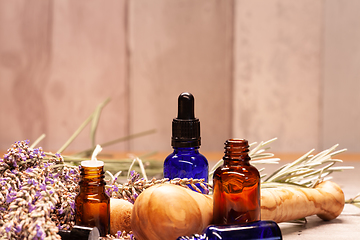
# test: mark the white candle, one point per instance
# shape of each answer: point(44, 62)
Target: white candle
point(93, 162)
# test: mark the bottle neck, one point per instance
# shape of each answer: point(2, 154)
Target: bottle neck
point(91, 178)
point(186, 149)
point(236, 151)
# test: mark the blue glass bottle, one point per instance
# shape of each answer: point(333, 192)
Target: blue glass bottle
point(248, 231)
point(186, 161)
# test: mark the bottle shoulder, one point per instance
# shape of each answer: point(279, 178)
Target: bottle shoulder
point(186, 155)
point(237, 171)
point(95, 197)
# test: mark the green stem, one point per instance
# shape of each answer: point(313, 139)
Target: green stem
point(88, 152)
point(39, 139)
point(77, 132)
point(95, 121)
point(140, 134)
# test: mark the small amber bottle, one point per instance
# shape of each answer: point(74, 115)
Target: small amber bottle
point(236, 186)
point(92, 204)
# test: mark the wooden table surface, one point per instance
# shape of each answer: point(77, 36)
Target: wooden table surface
point(346, 226)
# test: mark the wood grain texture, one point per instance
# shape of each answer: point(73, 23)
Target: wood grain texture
point(24, 69)
point(285, 204)
point(277, 73)
point(258, 70)
point(59, 60)
point(341, 83)
point(179, 46)
point(88, 66)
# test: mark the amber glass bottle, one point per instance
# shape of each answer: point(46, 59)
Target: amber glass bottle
point(236, 186)
point(92, 204)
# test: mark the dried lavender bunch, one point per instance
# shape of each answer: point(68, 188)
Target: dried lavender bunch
point(120, 236)
point(36, 196)
point(21, 157)
point(66, 180)
point(136, 185)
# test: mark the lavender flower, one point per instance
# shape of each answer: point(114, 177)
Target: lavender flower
point(8, 228)
point(32, 190)
point(37, 195)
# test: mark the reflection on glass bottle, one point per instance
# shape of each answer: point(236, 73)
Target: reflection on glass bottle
point(267, 230)
point(92, 204)
point(186, 161)
point(236, 186)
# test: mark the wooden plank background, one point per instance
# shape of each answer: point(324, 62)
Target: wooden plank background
point(258, 69)
point(341, 75)
point(277, 72)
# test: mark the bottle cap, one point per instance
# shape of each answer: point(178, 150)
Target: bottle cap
point(186, 128)
point(80, 233)
point(93, 162)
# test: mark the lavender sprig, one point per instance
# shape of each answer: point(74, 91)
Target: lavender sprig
point(136, 185)
point(36, 196)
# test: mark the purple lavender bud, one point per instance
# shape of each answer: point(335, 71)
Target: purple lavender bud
point(31, 182)
point(31, 207)
point(61, 211)
point(37, 194)
point(18, 228)
point(135, 195)
point(8, 228)
point(51, 181)
point(40, 233)
point(108, 191)
point(72, 204)
point(9, 198)
point(43, 187)
point(130, 200)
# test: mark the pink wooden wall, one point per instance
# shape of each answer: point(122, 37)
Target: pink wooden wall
point(258, 69)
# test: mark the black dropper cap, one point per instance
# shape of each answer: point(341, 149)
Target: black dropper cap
point(80, 233)
point(186, 128)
